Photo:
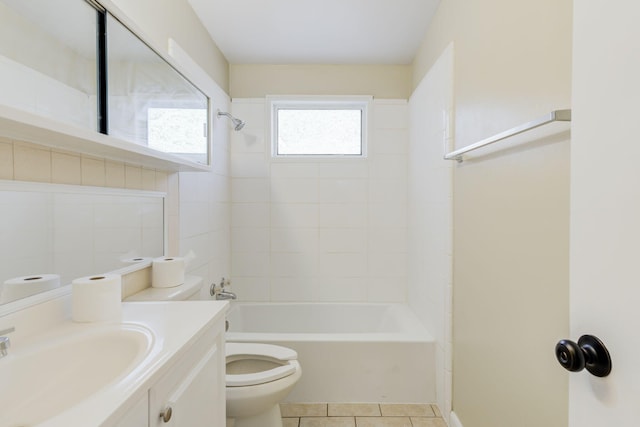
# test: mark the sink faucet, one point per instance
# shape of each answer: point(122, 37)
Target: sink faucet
point(5, 342)
point(220, 293)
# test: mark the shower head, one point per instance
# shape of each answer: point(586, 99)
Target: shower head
point(237, 123)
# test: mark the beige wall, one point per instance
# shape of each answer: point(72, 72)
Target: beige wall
point(511, 209)
point(381, 81)
point(164, 19)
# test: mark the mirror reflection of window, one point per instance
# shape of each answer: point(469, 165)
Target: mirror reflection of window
point(48, 66)
point(149, 102)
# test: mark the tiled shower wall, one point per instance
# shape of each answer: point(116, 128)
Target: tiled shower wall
point(320, 229)
point(430, 214)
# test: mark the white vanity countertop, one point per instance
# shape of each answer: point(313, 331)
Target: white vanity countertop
point(175, 327)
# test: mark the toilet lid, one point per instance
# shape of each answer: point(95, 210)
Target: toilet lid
point(283, 354)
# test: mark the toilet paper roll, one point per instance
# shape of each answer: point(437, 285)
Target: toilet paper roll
point(167, 272)
point(21, 287)
point(97, 298)
point(135, 260)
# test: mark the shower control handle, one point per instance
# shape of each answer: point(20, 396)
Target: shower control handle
point(589, 353)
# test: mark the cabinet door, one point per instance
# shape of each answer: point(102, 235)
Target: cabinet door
point(194, 400)
point(137, 416)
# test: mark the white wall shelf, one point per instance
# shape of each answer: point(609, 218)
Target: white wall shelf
point(21, 125)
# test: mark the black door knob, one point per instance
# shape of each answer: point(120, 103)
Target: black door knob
point(589, 353)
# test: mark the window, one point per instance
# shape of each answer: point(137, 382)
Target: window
point(319, 126)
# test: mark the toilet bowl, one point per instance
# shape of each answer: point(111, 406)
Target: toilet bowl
point(258, 377)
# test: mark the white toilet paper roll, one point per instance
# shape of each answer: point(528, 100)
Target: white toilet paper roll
point(167, 272)
point(21, 287)
point(97, 298)
point(135, 260)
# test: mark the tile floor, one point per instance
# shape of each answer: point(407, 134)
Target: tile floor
point(360, 415)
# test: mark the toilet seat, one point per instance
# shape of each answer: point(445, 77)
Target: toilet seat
point(261, 351)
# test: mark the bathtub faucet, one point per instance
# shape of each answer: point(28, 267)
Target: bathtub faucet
point(220, 293)
point(5, 342)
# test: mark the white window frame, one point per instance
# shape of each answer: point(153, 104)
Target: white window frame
point(362, 103)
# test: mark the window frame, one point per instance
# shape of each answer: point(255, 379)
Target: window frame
point(361, 103)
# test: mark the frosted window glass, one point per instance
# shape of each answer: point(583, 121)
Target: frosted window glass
point(178, 130)
point(319, 132)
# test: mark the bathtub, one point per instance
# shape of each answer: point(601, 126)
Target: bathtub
point(356, 352)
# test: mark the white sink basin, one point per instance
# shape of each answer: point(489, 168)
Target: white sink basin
point(43, 379)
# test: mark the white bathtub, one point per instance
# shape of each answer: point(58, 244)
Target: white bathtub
point(348, 352)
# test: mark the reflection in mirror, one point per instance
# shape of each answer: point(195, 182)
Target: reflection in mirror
point(150, 103)
point(72, 232)
point(48, 59)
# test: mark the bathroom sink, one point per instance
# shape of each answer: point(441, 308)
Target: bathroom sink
point(55, 372)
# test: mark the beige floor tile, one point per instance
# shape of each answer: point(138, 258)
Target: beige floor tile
point(327, 422)
point(383, 422)
point(406, 410)
point(354, 409)
point(303, 409)
point(428, 422)
point(290, 422)
point(436, 410)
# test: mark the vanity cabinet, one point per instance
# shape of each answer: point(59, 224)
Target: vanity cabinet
point(137, 416)
point(190, 393)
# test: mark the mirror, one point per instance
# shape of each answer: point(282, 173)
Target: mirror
point(72, 232)
point(150, 103)
point(51, 65)
point(48, 59)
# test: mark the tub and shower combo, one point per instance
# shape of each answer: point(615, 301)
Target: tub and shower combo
point(349, 352)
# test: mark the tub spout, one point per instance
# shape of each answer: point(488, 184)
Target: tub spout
point(5, 342)
point(220, 293)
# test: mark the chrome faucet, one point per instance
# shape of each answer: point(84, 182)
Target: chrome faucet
point(220, 293)
point(5, 342)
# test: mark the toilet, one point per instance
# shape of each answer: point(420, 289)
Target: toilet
point(258, 376)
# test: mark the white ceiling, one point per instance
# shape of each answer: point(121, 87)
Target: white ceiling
point(317, 31)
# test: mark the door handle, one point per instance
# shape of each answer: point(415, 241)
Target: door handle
point(589, 353)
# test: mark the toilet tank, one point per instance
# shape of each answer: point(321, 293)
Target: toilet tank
point(189, 290)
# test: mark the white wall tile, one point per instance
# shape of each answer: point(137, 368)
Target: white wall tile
point(294, 240)
point(294, 215)
point(294, 190)
point(342, 191)
point(250, 239)
point(345, 169)
point(250, 264)
point(298, 289)
point(249, 165)
point(293, 264)
point(294, 170)
point(387, 215)
point(342, 265)
point(250, 190)
point(388, 240)
point(341, 240)
point(250, 215)
point(343, 215)
point(341, 289)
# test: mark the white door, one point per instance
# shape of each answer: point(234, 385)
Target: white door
point(605, 208)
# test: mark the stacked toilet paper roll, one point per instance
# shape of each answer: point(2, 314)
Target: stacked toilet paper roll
point(167, 272)
point(135, 260)
point(21, 287)
point(97, 298)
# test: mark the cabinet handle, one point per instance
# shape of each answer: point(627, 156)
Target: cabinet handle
point(166, 414)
